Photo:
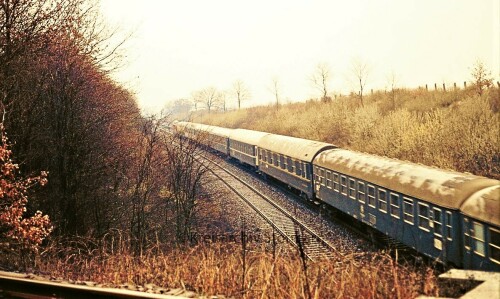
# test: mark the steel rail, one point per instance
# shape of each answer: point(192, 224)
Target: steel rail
point(15, 285)
point(322, 249)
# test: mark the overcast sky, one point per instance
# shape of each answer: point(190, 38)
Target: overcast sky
point(182, 46)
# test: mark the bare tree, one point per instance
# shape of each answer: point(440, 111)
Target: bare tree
point(210, 97)
point(481, 77)
point(320, 80)
point(179, 107)
point(147, 180)
point(392, 81)
point(275, 89)
point(223, 99)
point(360, 71)
point(184, 178)
point(241, 91)
point(196, 99)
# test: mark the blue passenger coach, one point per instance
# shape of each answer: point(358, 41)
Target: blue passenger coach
point(289, 160)
point(243, 146)
point(211, 136)
point(417, 205)
point(481, 227)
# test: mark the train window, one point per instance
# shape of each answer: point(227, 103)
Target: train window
point(478, 236)
point(352, 188)
point(322, 174)
point(408, 210)
point(328, 179)
point(495, 245)
point(276, 160)
point(423, 217)
point(298, 168)
point(382, 200)
point(306, 174)
point(270, 157)
point(282, 162)
point(467, 236)
point(336, 182)
point(438, 222)
point(343, 185)
point(395, 205)
point(361, 192)
point(448, 225)
point(371, 196)
point(289, 163)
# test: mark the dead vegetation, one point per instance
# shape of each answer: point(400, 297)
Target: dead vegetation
point(217, 268)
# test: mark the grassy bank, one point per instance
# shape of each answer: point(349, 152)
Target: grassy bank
point(456, 130)
point(219, 269)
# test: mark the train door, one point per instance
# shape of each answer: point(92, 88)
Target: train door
point(437, 222)
point(361, 196)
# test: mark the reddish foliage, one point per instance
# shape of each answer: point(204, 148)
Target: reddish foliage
point(17, 232)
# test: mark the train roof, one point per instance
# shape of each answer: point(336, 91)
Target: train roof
point(484, 205)
point(247, 136)
point(445, 188)
point(219, 131)
point(224, 132)
point(297, 148)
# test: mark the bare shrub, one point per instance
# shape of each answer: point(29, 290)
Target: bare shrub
point(19, 234)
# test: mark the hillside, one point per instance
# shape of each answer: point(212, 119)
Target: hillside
point(456, 130)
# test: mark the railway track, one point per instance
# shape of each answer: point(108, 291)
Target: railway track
point(285, 223)
point(14, 285)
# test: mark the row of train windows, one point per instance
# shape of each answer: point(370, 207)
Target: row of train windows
point(386, 202)
point(242, 147)
point(297, 167)
point(475, 237)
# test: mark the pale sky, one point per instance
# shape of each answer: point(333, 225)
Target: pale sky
point(183, 46)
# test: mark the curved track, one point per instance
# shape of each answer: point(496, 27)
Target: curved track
point(295, 232)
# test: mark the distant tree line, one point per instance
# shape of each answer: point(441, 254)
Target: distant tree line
point(211, 99)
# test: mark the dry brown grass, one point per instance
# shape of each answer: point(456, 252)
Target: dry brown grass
point(453, 130)
point(217, 269)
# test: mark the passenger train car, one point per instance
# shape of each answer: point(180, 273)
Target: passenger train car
point(289, 160)
point(243, 146)
point(211, 136)
point(415, 204)
point(450, 216)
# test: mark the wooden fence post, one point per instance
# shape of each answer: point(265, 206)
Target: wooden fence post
point(426, 88)
point(465, 84)
point(435, 86)
point(444, 87)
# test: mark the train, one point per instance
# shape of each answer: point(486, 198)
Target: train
point(449, 216)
